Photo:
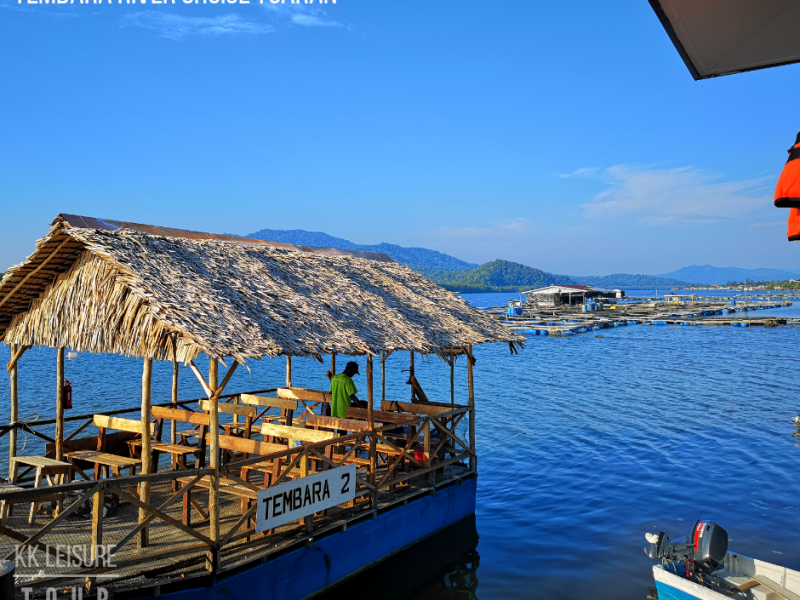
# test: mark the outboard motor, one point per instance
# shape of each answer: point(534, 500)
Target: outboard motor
point(701, 552)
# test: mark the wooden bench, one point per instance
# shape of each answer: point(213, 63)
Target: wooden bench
point(250, 413)
point(45, 467)
point(179, 452)
point(417, 408)
point(286, 405)
point(256, 448)
point(102, 459)
point(303, 396)
point(382, 416)
point(336, 423)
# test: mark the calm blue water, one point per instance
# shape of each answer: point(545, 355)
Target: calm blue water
point(585, 443)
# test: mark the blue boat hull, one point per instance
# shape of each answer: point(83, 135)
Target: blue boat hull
point(667, 592)
point(308, 570)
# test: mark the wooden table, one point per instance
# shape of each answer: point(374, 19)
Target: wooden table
point(45, 467)
point(111, 462)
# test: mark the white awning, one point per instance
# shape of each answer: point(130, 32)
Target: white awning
point(720, 37)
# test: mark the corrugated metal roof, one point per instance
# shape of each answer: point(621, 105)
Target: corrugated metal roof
point(721, 37)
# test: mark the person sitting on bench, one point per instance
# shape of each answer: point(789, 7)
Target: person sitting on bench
point(343, 391)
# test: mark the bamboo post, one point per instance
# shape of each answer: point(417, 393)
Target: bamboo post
point(147, 454)
point(383, 376)
point(60, 404)
point(173, 436)
point(12, 448)
point(371, 421)
point(333, 363)
point(411, 374)
point(288, 371)
point(453, 379)
point(213, 492)
point(473, 461)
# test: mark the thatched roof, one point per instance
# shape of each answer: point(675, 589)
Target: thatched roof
point(135, 294)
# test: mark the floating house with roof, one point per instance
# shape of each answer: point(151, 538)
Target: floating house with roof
point(234, 494)
point(554, 296)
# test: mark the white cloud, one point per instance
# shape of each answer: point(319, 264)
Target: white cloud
point(176, 27)
point(499, 229)
point(764, 225)
point(304, 15)
point(687, 195)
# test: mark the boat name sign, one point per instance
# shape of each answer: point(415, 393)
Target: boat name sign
point(296, 499)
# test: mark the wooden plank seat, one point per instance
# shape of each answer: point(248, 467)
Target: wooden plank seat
point(45, 467)
point(105, 461)
point(310, 399)
point(418, 408)
point(178, 452)
point(236, 429)
point(253, 448)
point(264, 403)
point(382, 416)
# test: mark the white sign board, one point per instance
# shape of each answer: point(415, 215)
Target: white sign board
point(296, 499)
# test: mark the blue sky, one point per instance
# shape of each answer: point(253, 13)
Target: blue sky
point(564, 135)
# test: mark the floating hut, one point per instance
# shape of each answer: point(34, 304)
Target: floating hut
point(245, 494)
point(554, 296)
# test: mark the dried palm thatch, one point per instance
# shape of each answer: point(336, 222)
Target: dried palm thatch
point(141, 295)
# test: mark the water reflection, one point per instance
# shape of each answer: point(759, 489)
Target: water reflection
point(442, 567)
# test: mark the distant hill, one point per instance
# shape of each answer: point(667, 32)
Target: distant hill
point(300, 237)
point(422, 260)
point(706, 274)
point(499, 276)
point(625, 280)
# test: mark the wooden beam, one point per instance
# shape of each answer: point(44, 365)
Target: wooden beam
point(36, 270)
point(12, 437)
point(288, 371)
point(147, 454)
point(60, 404)
point(473, 460)
point(15, 356)
point(201, 379)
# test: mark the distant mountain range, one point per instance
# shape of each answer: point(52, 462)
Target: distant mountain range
point(506, 276)
point(422, 260)
point(706, 274)
point(458, 275)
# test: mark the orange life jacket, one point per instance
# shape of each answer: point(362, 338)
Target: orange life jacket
point(787, 192)
point(794, 225)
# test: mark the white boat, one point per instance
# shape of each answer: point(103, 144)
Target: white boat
point(757, 579)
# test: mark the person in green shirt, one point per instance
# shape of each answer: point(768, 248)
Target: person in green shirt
point(343, 391)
